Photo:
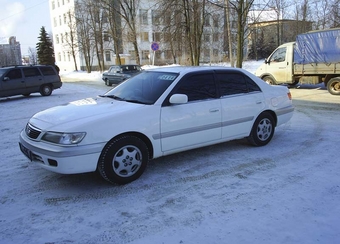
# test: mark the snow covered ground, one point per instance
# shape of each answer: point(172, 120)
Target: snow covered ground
point(285, 192)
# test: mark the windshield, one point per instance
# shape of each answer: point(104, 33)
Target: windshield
point(145, 87)
point(2, 71)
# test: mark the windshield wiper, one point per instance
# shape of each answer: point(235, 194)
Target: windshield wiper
point(133, 101)
point(113, 97)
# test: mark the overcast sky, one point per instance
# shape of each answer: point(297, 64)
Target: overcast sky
point(23, 19)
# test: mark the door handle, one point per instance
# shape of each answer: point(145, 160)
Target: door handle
point(214, 110)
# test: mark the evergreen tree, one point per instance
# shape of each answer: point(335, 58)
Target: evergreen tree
point(45, 51)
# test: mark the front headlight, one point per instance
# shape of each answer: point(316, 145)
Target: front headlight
point(63, 138)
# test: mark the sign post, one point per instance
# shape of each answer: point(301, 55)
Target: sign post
point(154, 48)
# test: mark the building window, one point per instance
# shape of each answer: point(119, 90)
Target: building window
point(145, 36)
point(65, 19)
point(156, 17)
point(207, 20)
point(55, 21)
point(58, 3)
point(143, 16)
point(132, 54)
point(145, 54)
point(168, 54)
point(53, 5)
point(106, 37)
point(60, 20)
point(57, 39)
point(206, 53)
point(107, 55)
point(215, 37)
point(207, 38)
point(62, 38)
point(215, 21)
point(156, 37)
point(59, 57)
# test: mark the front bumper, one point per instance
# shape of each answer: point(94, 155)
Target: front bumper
point(61, 159)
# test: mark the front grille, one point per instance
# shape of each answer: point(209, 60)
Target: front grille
point(31, 131)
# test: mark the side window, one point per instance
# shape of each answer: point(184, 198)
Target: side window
point(14, 74)
point(279, 55)
point(198, 87)
point(31, 72)
point(252, 86)
point(231, 83)
point(47, 71)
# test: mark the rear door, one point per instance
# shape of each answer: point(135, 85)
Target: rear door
point(33, 78)
point(242, 101)
point(196, 122)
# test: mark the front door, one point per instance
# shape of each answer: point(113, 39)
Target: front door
point(193, 123)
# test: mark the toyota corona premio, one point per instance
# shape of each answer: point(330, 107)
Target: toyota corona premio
point(155, 113)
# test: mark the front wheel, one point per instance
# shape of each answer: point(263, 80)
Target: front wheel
point(123, 160)
point(263, 130)
point(333, 86)
point(45, 90)
point(269, 80)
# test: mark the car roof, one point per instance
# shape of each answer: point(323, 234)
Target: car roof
point(189, 69)
point(25, 66)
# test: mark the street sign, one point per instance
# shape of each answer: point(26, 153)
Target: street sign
point(154, 46)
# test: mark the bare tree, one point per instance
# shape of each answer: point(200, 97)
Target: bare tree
point(70, 39)
point(85, 35)
point(32, 55)
point(115, 26)
point(97, 25)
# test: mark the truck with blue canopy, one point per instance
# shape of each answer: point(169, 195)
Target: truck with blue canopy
point(312, 59)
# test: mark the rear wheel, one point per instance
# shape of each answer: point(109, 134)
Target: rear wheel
point(269, 80)
point(333, 86)
point(123, 160)
point(263, 130)
point(45, 90)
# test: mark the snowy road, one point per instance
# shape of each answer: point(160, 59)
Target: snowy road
point(285, 192)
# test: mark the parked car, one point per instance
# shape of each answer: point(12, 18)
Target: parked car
point(155, 113)
point(119, 73)
point(24, 80)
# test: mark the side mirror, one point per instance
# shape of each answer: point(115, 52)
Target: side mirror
point(178, 99)
point(6, 78)
point(266, 61)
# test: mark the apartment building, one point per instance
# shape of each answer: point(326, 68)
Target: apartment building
point(10, 52)
point(153, 44)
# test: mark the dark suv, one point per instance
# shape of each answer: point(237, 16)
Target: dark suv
point(24, 80)
point(118, 73)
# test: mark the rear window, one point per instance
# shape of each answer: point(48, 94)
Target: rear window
point(47, 71)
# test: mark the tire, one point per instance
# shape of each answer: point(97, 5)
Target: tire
point(269, 80)
point(45, 90)
point(263, 130)
point(107, 82)
point(123, 160)
point(333, 86)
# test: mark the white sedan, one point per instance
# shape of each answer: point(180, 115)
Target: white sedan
point(156, 113)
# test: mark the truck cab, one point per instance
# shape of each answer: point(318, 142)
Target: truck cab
point(278, 67)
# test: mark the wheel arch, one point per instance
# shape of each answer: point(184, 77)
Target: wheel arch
point(139, 135)
point(272, 113)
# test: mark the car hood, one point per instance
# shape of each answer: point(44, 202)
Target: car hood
point(81, 110)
